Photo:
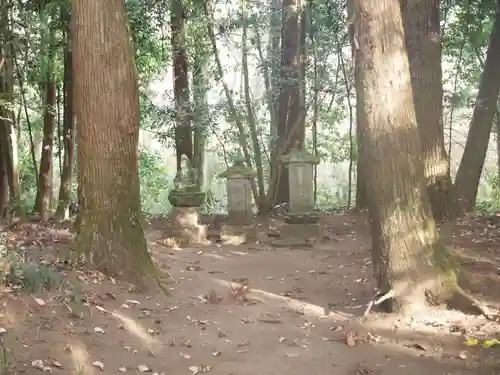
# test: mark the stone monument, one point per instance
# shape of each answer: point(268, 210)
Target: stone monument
point(186, 199)
point(302, 219)
point(239, 227)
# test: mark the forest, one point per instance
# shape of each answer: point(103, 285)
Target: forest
point(246, 186)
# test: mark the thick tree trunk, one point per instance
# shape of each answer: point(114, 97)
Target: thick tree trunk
point(64, 200)
point(471, 165)
point(406, 242)
point(291, 120)
point(44, 193)
point(183, 132)
point(106, 107)
point(422, 32)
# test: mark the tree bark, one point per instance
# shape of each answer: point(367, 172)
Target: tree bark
point(291, 120)
point(183, 132)
point(106, 95)
point(8, 123)
point(471, 165)
point(423, 41)
point(64, 200)
point(200, 115)
point(408, 256)
point(44, 193)
point(4, 181)
point(361, 200)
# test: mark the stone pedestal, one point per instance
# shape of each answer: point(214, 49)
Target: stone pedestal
point(185, 228)
point(302, 232)
point(302, 220)
point(238, 234)
point(239, 227)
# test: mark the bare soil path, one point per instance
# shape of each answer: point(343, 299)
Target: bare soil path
point(253, 309)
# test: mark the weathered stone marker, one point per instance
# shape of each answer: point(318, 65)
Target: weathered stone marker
point(239, 227)
point(186, 198)
point(302, 217)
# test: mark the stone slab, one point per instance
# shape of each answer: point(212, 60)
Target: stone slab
point(303, 232)
point(238, 234)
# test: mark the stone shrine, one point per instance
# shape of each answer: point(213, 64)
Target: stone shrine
point(302, 219)
point(239, 227)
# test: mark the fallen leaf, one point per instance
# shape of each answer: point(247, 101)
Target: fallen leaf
point(416, 346)
point(41, 302)
point(101, 309)
point(350, 339)
point(99, 365)
point(40, 365)
point(471, 341)
point(143, 368)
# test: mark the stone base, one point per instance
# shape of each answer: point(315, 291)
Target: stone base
point(302, 232)
point(185, 228)
point(231, 234)
point(301, 217)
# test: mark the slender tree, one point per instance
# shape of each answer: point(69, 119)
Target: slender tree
point(64, 200)
point(183, 131)
point(291, 107)
point(471, 165)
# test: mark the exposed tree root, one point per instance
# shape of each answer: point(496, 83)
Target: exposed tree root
point(478, 306)
point(378, 301)
point(468, 300)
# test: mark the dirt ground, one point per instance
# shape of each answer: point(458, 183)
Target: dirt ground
point(252, 309)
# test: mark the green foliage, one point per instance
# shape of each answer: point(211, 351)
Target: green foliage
point(31, 277)
point(156, 182)
point(147, 25)
point(38, 35)
point(489, 194)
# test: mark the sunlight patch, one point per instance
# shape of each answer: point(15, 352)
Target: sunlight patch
point(81, 360)
point(304, 308)
point(138, 330)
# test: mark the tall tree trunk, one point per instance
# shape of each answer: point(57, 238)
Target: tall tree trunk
point(44, 193)
point(291, 124)
point(406, 242)
point(272, 74)
point(361, 200)
point(200, 89)
point(106, 95)
point(422, 32)
point(4, 154)
point(183, 133)
point(8, 123)
point(4, 180)
point(64, 200)
point(471, 165)
point(497, 139)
